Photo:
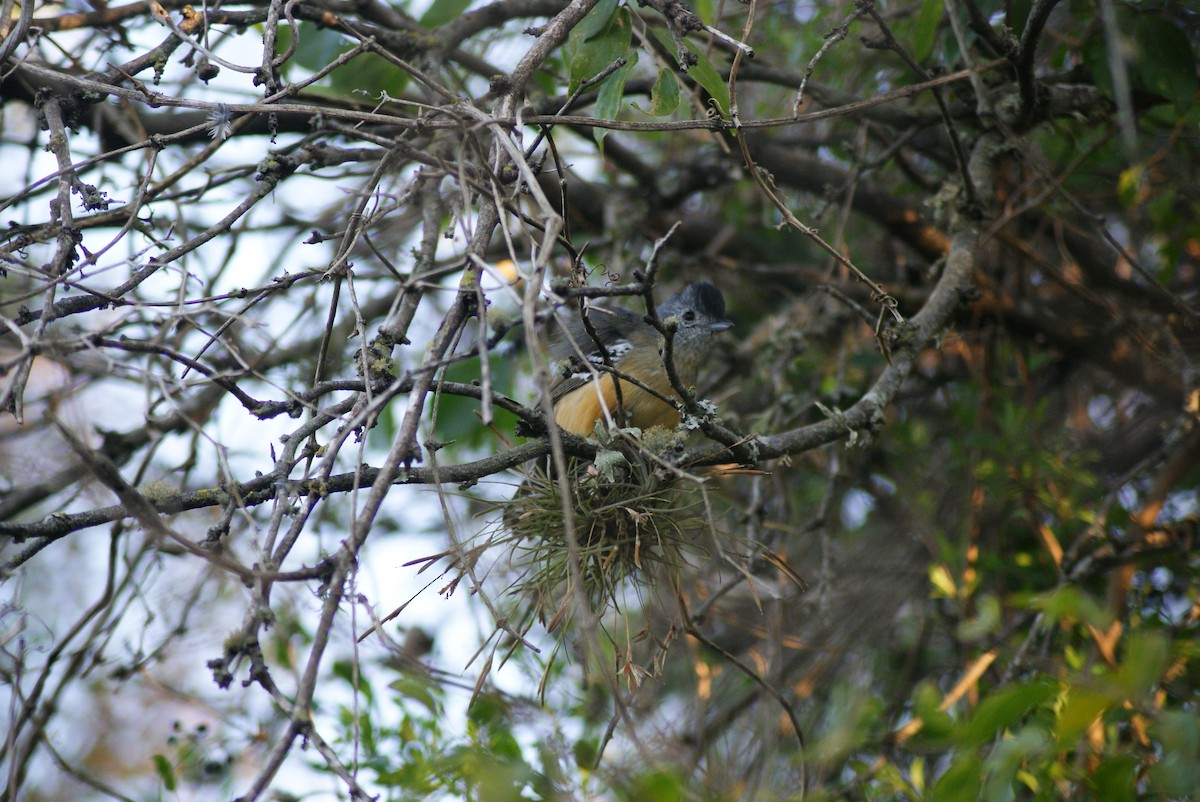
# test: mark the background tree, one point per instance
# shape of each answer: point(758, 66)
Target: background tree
point(277, 278)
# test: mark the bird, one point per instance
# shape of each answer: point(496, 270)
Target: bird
point(584, 394)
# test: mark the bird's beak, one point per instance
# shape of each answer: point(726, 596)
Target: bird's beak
point(720, 325)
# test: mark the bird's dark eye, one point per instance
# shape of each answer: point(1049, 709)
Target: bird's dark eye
point(689, 316)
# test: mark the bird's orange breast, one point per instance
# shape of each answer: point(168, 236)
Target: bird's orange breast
point(578, 411)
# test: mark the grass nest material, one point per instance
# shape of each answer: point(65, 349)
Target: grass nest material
point(633, 521)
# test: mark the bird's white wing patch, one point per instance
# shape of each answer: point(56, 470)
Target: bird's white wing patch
point(616, 350)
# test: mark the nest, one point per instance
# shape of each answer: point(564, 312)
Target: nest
point(633, 521)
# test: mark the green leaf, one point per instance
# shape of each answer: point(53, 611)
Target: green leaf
point(916, 773)
point(943, 583)
point(987, 620)
point(608, 99)
point(585, 750)
point(1079, 711)
point(345, 669)
point(1113, 780)
point(418, 689)
point(1027, 747)
point(494, 780)
point(442, 11)
point(488, 710)
point(367, 74)
point(1000, 710)
point(505, 744)
point(1131, 183)
point(1018, 13)
point(1073, 604)
point(596, 20)
point(712, 82)
point(366, 731)
point(1165, 64)
point(1095, 58)
point(926, 31)
point(657, 786)
point(702, 72)
point(664, 95)
point(959, 782)
point(927, 700)
point(1146, 656)
point(592, 52)
point(1177, 774)
point(458, 418)
point(165, 772)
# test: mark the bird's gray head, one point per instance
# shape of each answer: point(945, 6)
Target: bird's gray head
point(699, 311)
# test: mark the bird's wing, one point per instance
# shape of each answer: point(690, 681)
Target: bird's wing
point(613, 326)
